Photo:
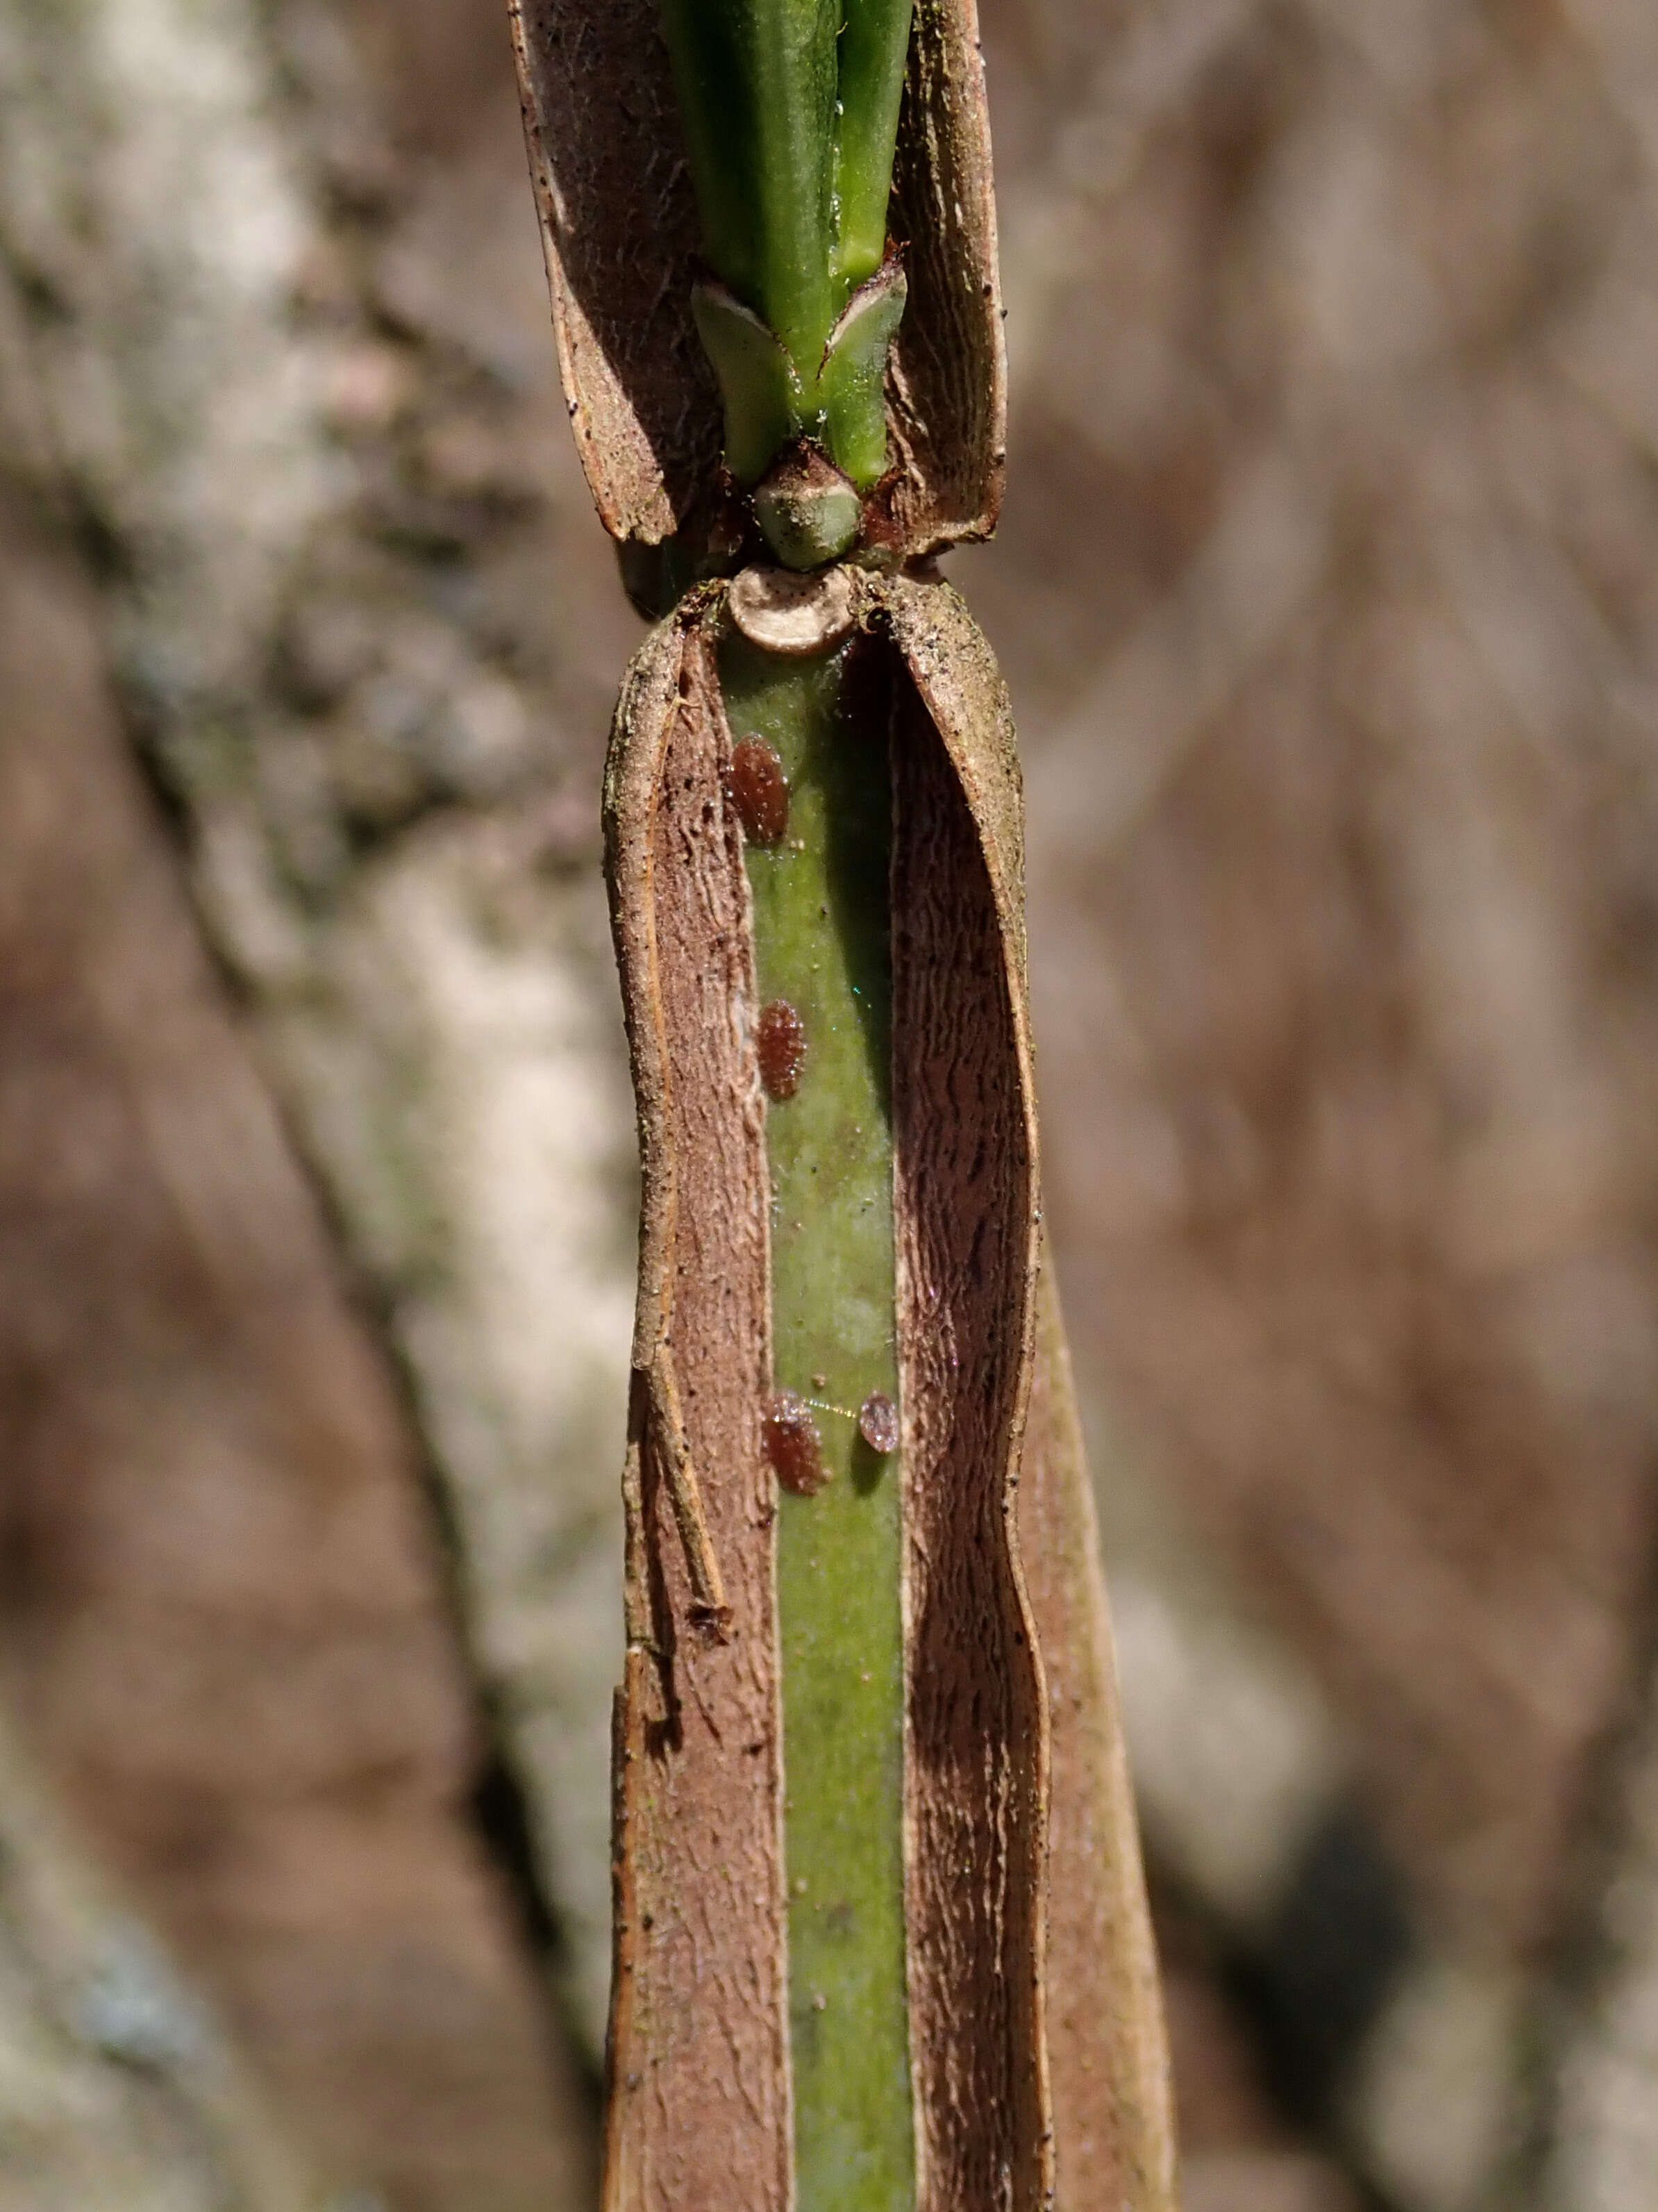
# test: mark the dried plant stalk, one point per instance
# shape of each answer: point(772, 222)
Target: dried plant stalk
point(1032, 2080)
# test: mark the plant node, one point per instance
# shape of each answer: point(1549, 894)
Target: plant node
point(808, 513)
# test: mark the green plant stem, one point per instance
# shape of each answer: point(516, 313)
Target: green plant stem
point(791, 115)
point(756, 81)
point(822, 941)
point(874, 45)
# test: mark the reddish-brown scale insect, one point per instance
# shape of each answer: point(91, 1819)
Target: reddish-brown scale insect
point(780, 1040)
point(878, 1423)
point(759, 790)
point(793, 1445)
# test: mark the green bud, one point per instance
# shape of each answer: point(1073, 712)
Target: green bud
point(808, 514)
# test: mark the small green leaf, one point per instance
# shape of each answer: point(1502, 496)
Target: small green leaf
point(851, 382)
point(757, 383)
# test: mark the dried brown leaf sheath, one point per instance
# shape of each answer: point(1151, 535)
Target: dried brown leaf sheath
point(620, 234)
point(699, 2047)
point(1113, 2118)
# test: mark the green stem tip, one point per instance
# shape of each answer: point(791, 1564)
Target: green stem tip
point(791, 113)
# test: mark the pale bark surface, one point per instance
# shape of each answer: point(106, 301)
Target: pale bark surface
point(257, 343)
point(226, 1635)
point(118, 2091)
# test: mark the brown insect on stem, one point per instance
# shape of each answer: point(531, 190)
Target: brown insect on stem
point(779, 1040)
point(793, 1445)
point(760, 792)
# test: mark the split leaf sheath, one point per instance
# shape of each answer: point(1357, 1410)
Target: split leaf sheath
point(702, 1870)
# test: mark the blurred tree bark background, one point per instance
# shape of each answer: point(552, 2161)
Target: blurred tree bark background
point(1327, 589)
